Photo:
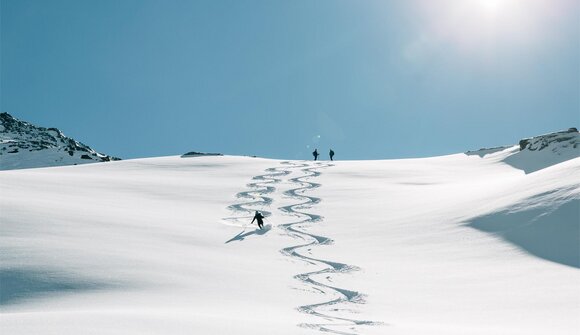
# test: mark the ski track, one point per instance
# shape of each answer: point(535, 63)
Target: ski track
point(341, 298)
point(257, 196)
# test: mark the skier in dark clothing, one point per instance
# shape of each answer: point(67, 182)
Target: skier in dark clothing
point(331, 153)
point(259, 217)
point(315, 154)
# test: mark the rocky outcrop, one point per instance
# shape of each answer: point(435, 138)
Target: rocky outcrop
point(561, 139)
point(24, 145)
point(198, 154)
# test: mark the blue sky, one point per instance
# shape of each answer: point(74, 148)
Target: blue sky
point(370, 79)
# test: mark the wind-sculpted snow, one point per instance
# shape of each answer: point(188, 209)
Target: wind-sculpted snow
point(547, 227)
point(338, 296)
point(538, 152)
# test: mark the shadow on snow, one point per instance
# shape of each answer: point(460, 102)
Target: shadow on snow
point(243, 234)
point(550, 233)
point(17, 285)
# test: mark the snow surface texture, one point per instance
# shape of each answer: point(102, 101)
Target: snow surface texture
point(23, 145)
point(459, 244)
point(338, 295)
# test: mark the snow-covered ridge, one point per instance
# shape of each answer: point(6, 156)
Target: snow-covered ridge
point(538, 152)
point(24, 145)
point(555, 142)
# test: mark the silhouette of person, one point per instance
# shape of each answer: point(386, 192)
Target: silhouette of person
point(315, 154)
point(258, 216)
point(331, 154)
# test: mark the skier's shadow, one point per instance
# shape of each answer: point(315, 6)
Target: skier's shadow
point(241, 236)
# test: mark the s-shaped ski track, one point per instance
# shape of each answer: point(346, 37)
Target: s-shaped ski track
point(256, 197)
point(339, 296)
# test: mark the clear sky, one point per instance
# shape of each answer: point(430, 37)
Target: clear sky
point(370, 79)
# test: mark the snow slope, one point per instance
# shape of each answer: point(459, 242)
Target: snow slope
point(24, 145)
point(459, 244)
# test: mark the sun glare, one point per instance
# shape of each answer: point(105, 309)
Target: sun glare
point(481, 26)
point(491, 5)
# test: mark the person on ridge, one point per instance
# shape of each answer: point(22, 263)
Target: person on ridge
point(331, 154)
point(315, 154)
point(258, 216)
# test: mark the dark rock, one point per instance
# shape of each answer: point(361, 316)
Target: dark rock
point(25, 136)
point(197, 154)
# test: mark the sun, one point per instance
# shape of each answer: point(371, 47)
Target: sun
point(480, 28)
point(491, 6)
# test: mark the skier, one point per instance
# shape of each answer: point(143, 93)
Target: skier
point(315, 154)
point(331, 153)
point(258, 216)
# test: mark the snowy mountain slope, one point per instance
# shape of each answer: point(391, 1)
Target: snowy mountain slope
point(538, 222)
point(538, 152)
point(459, 244)
point(23, 145)
point(427, 271)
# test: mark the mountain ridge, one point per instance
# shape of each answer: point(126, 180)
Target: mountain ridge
point(24, 145)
